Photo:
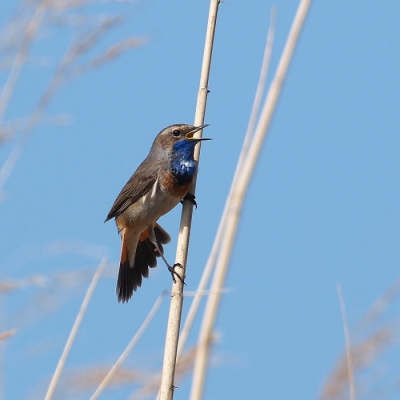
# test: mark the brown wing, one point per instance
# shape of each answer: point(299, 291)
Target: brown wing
point(140, 183)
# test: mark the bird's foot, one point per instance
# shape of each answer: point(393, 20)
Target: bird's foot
point(174, 273)
point(190, 197)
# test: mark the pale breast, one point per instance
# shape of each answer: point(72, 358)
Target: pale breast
point(150, 207)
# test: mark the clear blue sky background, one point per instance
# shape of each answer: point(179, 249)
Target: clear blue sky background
point(322, 209)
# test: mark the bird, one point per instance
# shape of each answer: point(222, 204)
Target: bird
point(160, 182)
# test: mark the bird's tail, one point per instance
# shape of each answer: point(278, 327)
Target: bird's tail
point(137, 255)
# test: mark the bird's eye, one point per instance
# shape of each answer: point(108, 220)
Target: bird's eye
point(176, 132)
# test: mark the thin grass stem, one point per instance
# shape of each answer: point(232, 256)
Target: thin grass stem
point(114, 369)
point(74, 330)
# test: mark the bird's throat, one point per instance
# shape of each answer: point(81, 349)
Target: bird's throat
point(183, 165)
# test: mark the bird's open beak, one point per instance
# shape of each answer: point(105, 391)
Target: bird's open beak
point(190, 134)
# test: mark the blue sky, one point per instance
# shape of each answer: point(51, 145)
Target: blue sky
point(322, 208)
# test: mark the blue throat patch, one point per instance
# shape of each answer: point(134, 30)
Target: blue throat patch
point(183, 165)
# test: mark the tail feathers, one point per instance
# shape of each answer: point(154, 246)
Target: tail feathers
point(128, 281)
point(161, 234)
point(130, 274)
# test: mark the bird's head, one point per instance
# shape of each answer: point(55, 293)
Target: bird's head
point(170, 136)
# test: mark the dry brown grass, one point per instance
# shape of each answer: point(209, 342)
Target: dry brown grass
point(8, 334)
point(23, 43)
point(147, 381)
point(33, 22)
point(374, 340)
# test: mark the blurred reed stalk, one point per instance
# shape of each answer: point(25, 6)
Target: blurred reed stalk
point(349, 356)
point(238, 191)
point(74, 330)
point(174, 319)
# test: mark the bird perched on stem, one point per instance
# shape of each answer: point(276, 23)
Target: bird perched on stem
point(161, 181)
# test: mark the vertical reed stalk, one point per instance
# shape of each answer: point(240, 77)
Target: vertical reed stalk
point(239, 190)
point(174, 319)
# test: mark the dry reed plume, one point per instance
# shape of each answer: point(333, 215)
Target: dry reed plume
point(32, 21)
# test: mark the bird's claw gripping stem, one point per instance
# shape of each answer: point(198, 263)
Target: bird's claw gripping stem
point(190, 197)
point(174, 273)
